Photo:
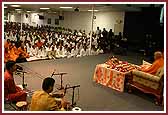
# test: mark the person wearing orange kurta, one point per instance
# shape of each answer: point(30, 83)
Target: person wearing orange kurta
point(42, 100)
point(7, 43)
point(6, 55)
point(22, 51)
point(11, 91)
point(12, 53)
point(39, 43)
point(158, 63)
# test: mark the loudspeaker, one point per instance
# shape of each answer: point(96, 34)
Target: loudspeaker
point(26, 15)
point(61, 17)
point(41, 17)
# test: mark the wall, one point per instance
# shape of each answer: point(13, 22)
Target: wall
point(75, 20)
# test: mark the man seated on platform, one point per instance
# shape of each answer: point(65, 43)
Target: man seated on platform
point(12, 92)
point(43, 100)
point(158, 63)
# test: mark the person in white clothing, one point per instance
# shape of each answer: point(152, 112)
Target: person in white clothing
point(61, 52)
point(83, 52)
point(93, 50)
point(100, 51)
point(29, 49)
point(41, 53)
point(34, 51)
point(52, 53)
point(74, 52)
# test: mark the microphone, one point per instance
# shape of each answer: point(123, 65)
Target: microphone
point(59, 73)
point(73, 86)
point(70, 87)
point(21, 71)
point(53, 72)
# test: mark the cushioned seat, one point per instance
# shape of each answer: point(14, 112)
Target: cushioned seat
point(148, 83)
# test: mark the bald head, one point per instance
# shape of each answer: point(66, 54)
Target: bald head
point(157, 55)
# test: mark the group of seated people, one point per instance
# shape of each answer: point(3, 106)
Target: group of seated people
point(31, 44)
point(42, 100)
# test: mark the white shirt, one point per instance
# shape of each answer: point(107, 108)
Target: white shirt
point(41, 53)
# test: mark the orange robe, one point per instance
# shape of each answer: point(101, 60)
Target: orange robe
point(13, 54)
point(39, 44)
point(23, 52)
point(155, 66)
point(6, 45)
point(12, 92)
point(6, 56)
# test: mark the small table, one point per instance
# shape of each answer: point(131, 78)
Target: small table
point(109, 77)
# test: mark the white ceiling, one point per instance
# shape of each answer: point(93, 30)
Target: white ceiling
point(82, 7)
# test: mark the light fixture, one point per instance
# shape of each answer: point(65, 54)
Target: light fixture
point(44, 8)
point(65, 7)
point(5, 7)
point(18, 9)
point(92, 10)
point(28, 11)
point(15, 5)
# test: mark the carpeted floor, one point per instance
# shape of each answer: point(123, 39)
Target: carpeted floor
point(92, 96)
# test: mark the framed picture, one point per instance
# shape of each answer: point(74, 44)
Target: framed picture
point(56, 21)
point(49, 21)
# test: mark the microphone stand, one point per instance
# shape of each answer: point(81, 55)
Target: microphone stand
point(23, 83)
point(73, 96)
point(61, 74)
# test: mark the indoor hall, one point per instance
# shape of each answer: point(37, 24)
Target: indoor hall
point(87, 43)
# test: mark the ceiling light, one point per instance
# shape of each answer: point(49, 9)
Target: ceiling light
point(28, 11)
point(5, 7)
point(44, 8)
point(18, 9)
point(15, 5)
point(92, 10)
point(65, 7)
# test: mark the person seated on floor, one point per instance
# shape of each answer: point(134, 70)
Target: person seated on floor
point(6, 55)
point(13, 52)
point(73, 53)
point(12, 92)
point(158, 63)
point(61, 52)
point(7, 43)
point(44, 100)
point(41, 53)
point(22, 50)
point(66, 51)
point(93, 50)
point(99, 50)
point(22, 54)
point(29, 49)
point(52, 54)
point(48, 50)
point(33, 51)
point(82, 52)
point(39, 43)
